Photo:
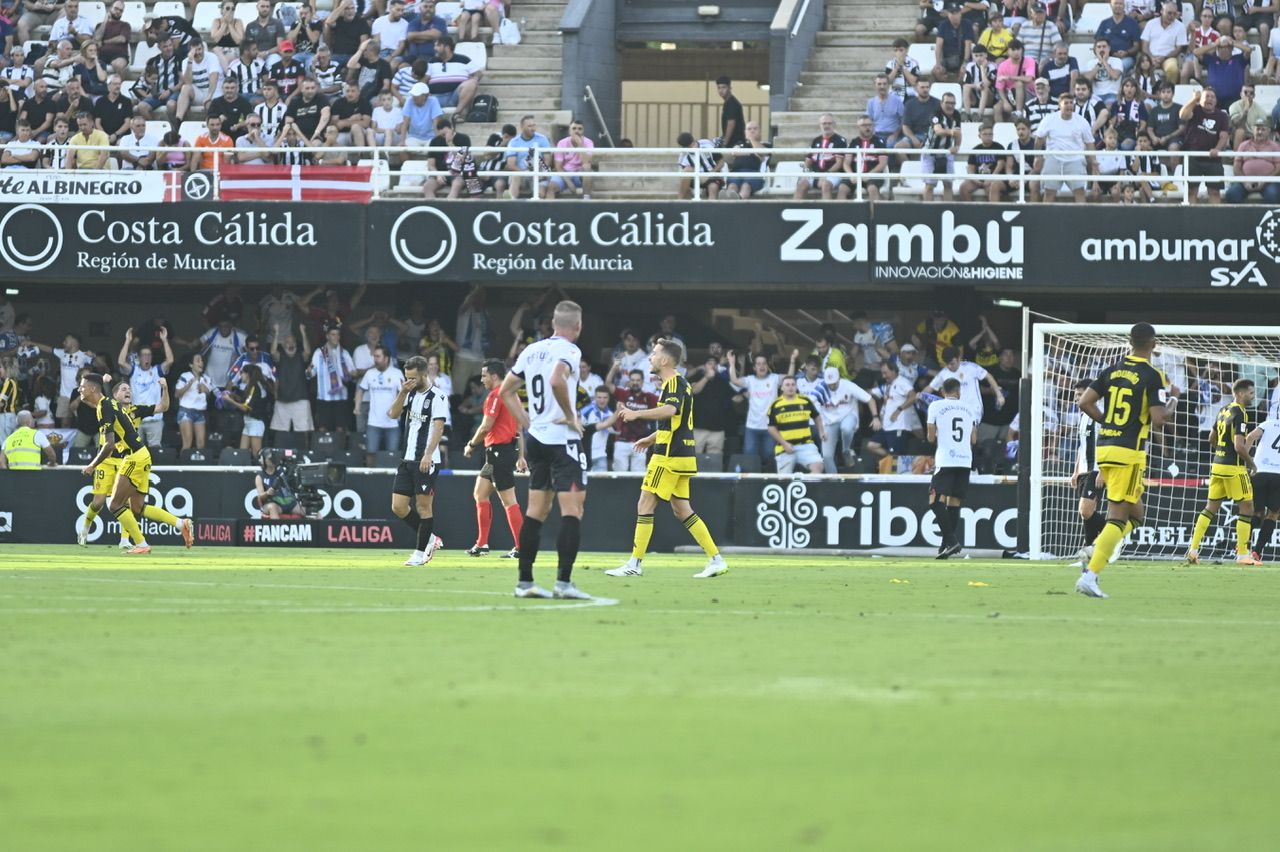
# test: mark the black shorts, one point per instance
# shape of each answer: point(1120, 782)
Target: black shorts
point(412, 482)
point(500, 465)
point(332, 415)
point(556, 467)
point(1266, 491)
point(950, 482)
point(1207, 168)
point(1088, 487)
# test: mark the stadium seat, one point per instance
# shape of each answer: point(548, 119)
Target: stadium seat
point(93, 11)
point(475, 51)
point(163, 455)
point(205, 15)
point(141, 54)
point(82, 455)
point(213, 443)
point(290, 440)
point(135, 15)
point(357, 441)
point(1255, 60)
point(193, 456)
point(1188, 13)
point(711, 463)
point(1266, 96)
point(381, 173)
point(234, 457)
point(170, 7)
point(350, 458)
point(247, 12)
point(784, 179)
point(413, 174)
point(386, 458)
point(740, 462)
point(1005, 133)
point(189, 131)
point(449, 11)
point(157, 129)
point(1091, 16)
point(924, 54)
point(910, 183)
point(940, 89)
point(1082, 51)
point(324, 445)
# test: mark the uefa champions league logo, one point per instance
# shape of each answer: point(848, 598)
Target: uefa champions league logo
point(1268, 234)
point(784, 512)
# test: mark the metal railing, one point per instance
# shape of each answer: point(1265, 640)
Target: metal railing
point(779, 183)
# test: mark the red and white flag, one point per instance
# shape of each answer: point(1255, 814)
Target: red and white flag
point(296, 183)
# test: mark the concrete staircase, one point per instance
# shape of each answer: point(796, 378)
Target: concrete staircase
point(525, 78)
point(839, 76)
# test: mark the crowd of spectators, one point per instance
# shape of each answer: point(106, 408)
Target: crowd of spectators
point(317, 372)
point(368, 74)
point(1007, 67)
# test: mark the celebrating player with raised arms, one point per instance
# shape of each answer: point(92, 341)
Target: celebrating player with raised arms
point(672, 465)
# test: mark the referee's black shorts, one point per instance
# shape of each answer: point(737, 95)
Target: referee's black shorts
point(1266, 491)
point(500, 465)
point(412, 482)
point(950, 482)
point(555, 467)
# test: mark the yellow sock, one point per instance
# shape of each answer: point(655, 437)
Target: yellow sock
point(698, 529)
point(90, 514)
point(1105, 544)
point(1202, 527)
point(1244, 529)
point(129, 524)
point(155, 513)
point(644, 532)
point(1128, 527)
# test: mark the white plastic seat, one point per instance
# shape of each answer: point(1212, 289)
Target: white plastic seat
point(94, 11)
point(205, 14)
point(1091, 16)
point(784, 179)
point(247, 12)
point(1183, 92)
point(924, 54)
point(141, 54)
point(910, 183)
point(940, 89)
point(1266, 96)
point(189, 131)
point(448, 11)
point(1005, 132)
point(135, 15)
point(167, 8)
point(381, 173)
point(475, 51)
point(157, 129)
point(1082, 52)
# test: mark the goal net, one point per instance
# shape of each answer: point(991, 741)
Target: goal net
point(1203, 362)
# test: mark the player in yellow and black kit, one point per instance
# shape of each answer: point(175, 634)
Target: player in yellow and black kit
point(672, 463)
point(1229, 476)
point(1137, 401)
point(106, 472)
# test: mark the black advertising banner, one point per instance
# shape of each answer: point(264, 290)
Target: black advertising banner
point(867, 515)
point(754, 243)
point(47, 506)
point(182, 243)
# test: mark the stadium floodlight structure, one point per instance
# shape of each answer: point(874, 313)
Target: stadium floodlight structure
point(1203, 360)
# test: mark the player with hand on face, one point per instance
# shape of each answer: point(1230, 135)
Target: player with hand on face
point(422, 411)
point(673, 463)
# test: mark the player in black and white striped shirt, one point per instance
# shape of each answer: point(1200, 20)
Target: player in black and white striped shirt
point(271, 111)
point(422, 410)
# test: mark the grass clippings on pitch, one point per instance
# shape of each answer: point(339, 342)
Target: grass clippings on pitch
point(310, 700)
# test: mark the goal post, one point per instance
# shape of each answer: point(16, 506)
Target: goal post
point(1203, 361)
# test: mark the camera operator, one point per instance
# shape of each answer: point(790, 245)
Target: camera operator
point(275, 496)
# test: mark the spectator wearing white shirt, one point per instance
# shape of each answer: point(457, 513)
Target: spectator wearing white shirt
point(145, 378)
point(1104, 71)
point(71, 26)
point(391, 30)
point(364, 360)
point(200, 73)
point(133, 145)
point(898, 418)
point(598, 410)
point(840, 417)
point(969, 375)
point(1064, 131)
point(332, 368)
point(193, 392)
point(377, 389)
point(761, 388)
point(587, 379)
point(71, 358)
point(1165, 40)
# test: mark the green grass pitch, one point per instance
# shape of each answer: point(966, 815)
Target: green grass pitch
point(232, 699)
